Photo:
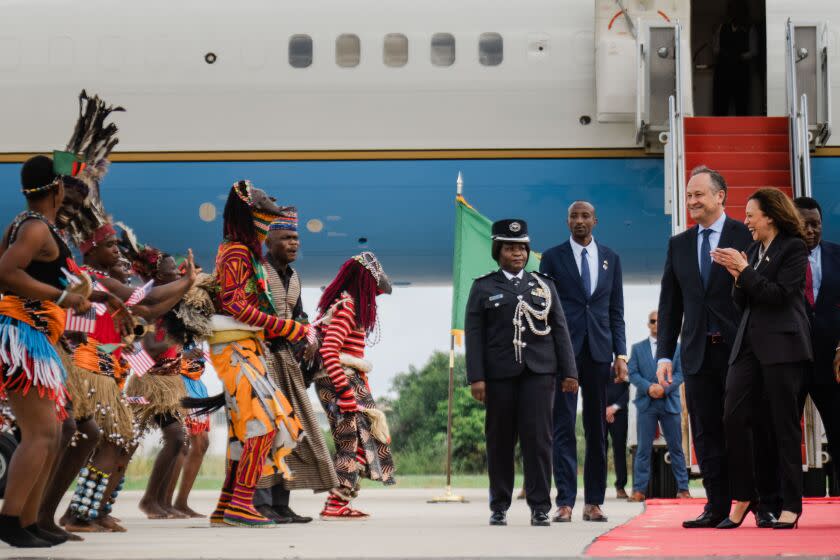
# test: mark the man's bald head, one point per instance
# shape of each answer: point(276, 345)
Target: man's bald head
point(581, 205)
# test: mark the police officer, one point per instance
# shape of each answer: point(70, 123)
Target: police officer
point(518, 347)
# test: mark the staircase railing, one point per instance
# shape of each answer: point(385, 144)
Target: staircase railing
point(675, 146)
point(800, 136)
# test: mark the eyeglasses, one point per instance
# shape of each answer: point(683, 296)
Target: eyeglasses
point(652, 321)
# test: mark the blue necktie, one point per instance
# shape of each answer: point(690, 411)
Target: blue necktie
point(584, 274)
point(705, 258)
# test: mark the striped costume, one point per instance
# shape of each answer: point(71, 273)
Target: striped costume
point(262, 427)
point(361, 434)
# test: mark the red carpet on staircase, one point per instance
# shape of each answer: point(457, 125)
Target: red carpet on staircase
point(750, 153)
point(658, 532)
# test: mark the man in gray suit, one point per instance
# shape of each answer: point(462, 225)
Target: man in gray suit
point(656, 404)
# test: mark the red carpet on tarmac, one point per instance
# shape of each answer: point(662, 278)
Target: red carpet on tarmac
point(658, 532)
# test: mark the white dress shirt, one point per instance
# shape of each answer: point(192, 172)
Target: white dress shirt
point(652, 346)
point(510, 276)
point(591, 259)
point(815, 260)
point(714, 238)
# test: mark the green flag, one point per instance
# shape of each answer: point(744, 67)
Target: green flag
point(472, 258)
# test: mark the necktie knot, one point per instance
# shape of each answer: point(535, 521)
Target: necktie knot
point(707, 232)
point(584, 252)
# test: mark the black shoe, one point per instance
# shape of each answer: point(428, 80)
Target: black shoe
point(286, 511)
point(51, 538)
point(706, 520)
point(729, 524)
point(539, 519)
point(13, 534)
point(787, 525)
point(498, 518)
point(267, 511)
point(765, 519)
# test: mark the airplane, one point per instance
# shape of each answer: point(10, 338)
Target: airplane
point(362, 113)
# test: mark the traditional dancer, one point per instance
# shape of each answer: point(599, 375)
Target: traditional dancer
point(310, 461)
point(262, 428)
point(31, 372)
point(348, 317)
point(162, 389)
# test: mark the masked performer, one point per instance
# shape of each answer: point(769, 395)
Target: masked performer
point(348, 318)
point(310, 461)
point(262, 429)
point(31, 372)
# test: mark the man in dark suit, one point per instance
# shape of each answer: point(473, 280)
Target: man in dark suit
point(822, 292)
point(588, 278)
point(517, 350)
point(618, 405)
point(695, 300)
point(656, 405)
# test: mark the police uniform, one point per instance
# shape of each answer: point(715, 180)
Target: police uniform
point(517, 343)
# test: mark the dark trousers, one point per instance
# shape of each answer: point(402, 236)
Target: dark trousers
point(519, 407)
point(593, 378)
point(274, 496)
point(826, 398)
point(617, 433)
point(747, 384)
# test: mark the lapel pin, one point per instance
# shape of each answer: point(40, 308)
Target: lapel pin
point(605, 265)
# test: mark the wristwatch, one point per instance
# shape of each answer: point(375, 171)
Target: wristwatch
point(622, 357)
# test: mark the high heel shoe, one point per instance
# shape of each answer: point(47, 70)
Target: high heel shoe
point(787, 524)
point(729, 524)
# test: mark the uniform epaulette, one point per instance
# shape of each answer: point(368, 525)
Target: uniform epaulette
point(485, 275)
point(543, 274)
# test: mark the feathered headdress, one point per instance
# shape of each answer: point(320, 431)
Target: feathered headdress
point(83, 165)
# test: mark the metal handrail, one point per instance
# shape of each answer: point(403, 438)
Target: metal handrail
point(676, 138)
point(805, 156)
point(793, 128)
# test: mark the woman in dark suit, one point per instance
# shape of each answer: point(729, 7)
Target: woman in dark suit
point(770, 353)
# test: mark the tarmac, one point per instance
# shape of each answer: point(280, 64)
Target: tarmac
point(402, 525)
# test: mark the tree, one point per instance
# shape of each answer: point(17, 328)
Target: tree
point(469, 449)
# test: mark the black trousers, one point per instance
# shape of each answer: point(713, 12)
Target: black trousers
point(617, 433)
point(274, 496)
point(747, 384)
point(519, 408)
point(593, 378)
point(826, 397)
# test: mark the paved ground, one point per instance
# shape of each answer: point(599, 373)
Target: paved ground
point(403, 525)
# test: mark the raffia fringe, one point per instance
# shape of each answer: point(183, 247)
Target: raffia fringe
point(164, 393)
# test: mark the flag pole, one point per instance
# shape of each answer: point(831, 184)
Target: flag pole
point(448, 496)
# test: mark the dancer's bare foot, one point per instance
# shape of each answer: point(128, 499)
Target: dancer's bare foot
point(110, 524)
point(78, 526)
point(188, 511)
point(174, 513)
point(152, 510)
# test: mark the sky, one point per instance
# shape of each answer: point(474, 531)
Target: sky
point(416, 321)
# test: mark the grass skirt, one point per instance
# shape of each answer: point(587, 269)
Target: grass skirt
point(163, 393)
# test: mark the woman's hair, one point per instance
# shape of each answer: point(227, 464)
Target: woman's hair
point(496, 248)
point(777, 206)
point(354, 279)
point(239, 222)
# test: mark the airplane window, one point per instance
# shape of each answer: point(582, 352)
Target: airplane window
point(443, 49)
point(395, 50)
point(348, 50)
point(300, 51)
point(490, 49)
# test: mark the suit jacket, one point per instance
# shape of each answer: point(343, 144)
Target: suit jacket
point(642, 369)
point(772, 298)
point(825, 315)
point(684, 305)
point(618, 393)
point(599, 316)
point(489, 331)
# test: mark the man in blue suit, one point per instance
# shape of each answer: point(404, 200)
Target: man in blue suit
point(656, 404)
point(588, 280)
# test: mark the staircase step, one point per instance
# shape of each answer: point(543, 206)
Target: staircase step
point(736, 125)
point(738, 161)
point(737, 197)
point(762, 177)
point(736, 143)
